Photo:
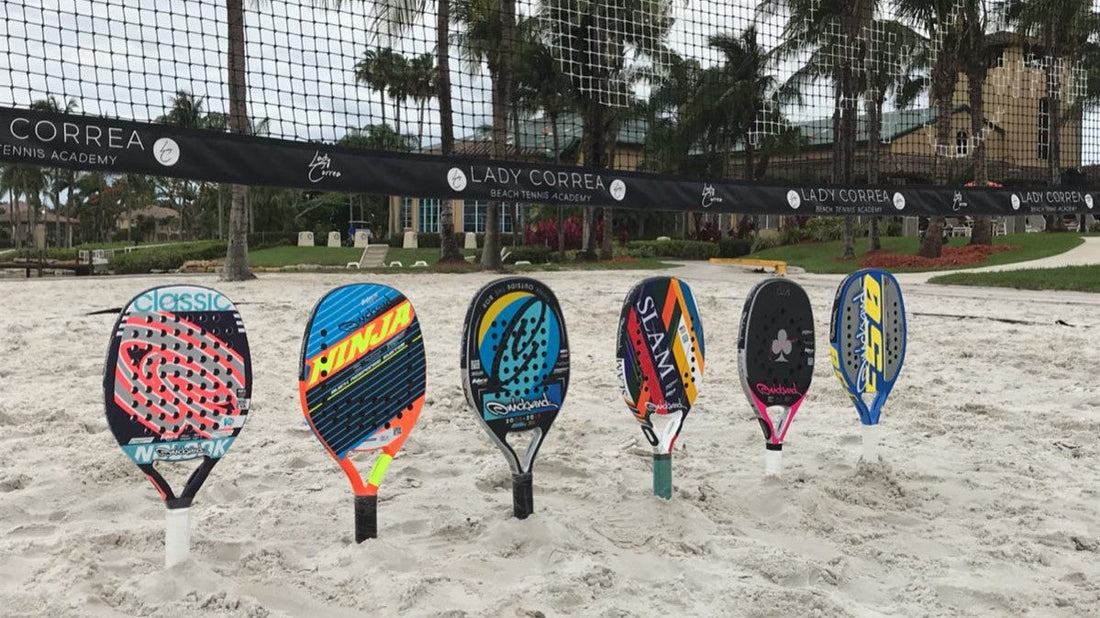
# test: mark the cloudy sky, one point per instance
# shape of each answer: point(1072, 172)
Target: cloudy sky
point(127, 58)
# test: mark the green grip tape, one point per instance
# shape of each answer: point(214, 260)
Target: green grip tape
point(662, 476)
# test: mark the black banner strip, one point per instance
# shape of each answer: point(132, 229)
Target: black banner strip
point(119, 146)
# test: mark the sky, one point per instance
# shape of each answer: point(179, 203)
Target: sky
point(127, 58)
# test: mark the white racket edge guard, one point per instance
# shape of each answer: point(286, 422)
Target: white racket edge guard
point(871, 437)
point(773, 462)
point(177, 536)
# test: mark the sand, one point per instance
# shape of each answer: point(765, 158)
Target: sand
point(986, 500)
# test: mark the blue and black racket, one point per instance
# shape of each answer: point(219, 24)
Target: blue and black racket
point(867, 340)
point(177, 386)
point(361, 383)
point(515, 371)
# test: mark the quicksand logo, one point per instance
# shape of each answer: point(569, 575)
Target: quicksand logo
point(776, 389)
point(197, 300)
point(664, 408)
point(319, 167)
point(519, 405)
point(143, 453)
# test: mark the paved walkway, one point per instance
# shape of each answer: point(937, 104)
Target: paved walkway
point(1085, 254)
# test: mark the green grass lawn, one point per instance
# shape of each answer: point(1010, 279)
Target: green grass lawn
point(1075, 278)
point(430, 255)
point(290, 255)
point(823, 257)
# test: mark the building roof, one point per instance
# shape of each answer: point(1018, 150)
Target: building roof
point(536, 138)
point(152, 212)
point(818, 133)
point(21, 215)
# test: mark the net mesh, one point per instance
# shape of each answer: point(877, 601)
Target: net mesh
point(713, 88)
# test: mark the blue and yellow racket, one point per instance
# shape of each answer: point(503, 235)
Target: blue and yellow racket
point(867, 343)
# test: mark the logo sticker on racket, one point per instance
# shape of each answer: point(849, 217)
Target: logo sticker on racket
point(775, 359)
point(515, 371)
point(361, 383)
point(177, 385)
point(660, 354)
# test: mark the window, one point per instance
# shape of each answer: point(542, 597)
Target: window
point(473, 216)
point(1044, 128)
point(406, 213)
point(962, 143)
point(429, 216)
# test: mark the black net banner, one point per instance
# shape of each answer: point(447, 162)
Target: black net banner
point(780, 106)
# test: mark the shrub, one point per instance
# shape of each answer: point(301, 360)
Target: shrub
point(792, 235)
point(1095, 227)
point(165, 258)
point(734, 247)
point(680, 249)
point(766, 239)
point(51, 254)
point(824, 229)
point(266, 240)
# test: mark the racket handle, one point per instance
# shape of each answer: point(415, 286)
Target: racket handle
point(523, 495)
point(366, 518)
point(773, 459)
point(870, 443)
point(662, 475)
point(177, 536)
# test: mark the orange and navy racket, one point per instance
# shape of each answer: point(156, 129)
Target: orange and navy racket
point(361, 383)
point(177, 385)
point(660, 354)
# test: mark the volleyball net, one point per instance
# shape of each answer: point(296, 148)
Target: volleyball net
point(778, 106)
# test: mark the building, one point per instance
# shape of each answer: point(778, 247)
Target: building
point(152, 223)
point(50, 229)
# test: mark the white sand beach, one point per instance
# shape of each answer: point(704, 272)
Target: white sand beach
point(986, 501)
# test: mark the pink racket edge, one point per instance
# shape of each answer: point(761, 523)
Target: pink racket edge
point(774, 439)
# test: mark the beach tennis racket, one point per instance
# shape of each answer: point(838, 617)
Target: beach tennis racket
point(660, 352)
point(775, 359)
point(361, 383)
point(515, 371)
point(867, 344)
point(177, 385)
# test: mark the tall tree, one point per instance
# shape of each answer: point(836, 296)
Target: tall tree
point(56, 180)
point(393, 17)
point(975, 64)
point(945, 24)
point(236, 256)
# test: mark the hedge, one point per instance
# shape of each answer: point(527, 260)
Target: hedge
point(536, 254)
point(734, 247)
point(680, 249)
point(166, 258)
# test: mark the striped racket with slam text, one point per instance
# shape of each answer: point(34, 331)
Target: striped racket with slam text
point(660, 354)
point(177, 386)
point(775, 359)
point(515, 371)
point(361, 383)
point(867, 345)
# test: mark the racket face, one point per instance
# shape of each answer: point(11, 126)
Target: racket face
point(178, 376)
point(775, 352)
point(515, 362)
point(362, 369)
point(867, 339)
point(660, 352)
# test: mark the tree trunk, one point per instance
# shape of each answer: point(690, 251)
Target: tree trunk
point(874, 148)
point(606, 251)
point(236, 256)
point(448, 248)
point(944, 76)
point(557, 161)
point(1054, 156)
point(500, 67)
point(977, 69)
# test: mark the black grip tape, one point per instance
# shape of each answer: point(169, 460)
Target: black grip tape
point(523, 495)
point(366, 518)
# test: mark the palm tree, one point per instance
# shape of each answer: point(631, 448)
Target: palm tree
point(1066, 30)
point(577, 28)
point(975, 63)
point(372, 72)
point(56, 179)
point(421, 89)
point(396, 16)
point(947, 41)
